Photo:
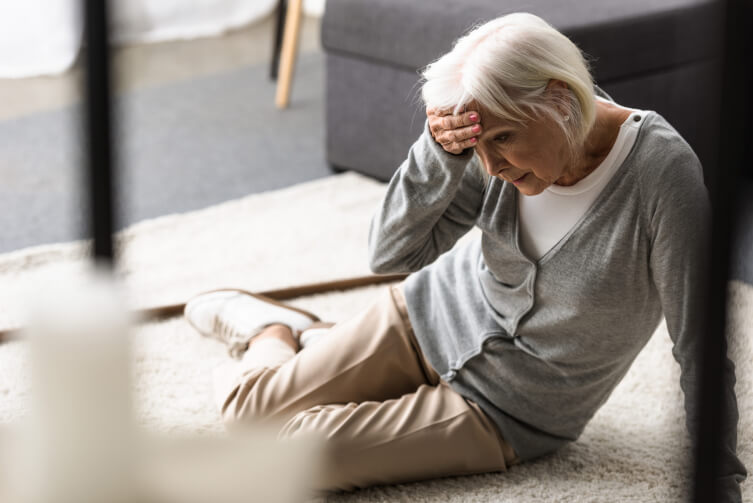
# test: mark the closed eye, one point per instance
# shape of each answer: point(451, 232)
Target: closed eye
point(502, 138)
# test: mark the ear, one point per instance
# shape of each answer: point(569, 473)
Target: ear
point(556, 85)
point(558, 88)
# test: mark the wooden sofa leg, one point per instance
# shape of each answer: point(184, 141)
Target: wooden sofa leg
point(289, 50)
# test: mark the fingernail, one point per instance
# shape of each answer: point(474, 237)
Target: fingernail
point(473, 140)
point(474, 117)
point(476, 128)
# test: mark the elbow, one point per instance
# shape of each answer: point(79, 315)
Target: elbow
point(379, 266)
point(380, 260)
point(388, 256)
point(397, 265)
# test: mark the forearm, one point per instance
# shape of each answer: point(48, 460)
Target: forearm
point(431, 201)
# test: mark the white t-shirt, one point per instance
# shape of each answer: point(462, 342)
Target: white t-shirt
point(546, 218)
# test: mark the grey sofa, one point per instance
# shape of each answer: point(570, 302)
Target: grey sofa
point(659, 55)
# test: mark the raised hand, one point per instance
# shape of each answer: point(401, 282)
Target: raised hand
point(454, 132)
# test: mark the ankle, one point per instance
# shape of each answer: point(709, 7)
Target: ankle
point(277, 331)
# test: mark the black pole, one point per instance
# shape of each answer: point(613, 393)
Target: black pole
point(282, 9)
point(100, 158)
point(734, 131)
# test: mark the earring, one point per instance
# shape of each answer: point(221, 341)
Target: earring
point(567, 118)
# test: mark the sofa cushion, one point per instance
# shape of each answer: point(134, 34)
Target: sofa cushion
point(625, 36)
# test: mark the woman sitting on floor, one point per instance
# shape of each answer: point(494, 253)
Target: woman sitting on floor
point(595, 222)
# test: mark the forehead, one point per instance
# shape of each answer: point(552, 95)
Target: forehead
point(488, 118)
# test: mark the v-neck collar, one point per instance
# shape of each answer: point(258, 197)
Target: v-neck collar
point(608, 188)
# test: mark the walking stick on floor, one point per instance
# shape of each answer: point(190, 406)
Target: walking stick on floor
point(168, 311)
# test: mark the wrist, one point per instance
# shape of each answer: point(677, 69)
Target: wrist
point(440, 150)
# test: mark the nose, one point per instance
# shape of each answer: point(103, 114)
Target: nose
point(495, 168)
point(494, 165)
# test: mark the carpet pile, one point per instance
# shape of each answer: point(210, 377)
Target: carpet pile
point(634, 449)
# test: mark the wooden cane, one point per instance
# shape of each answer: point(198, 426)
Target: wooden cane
point(168, 311)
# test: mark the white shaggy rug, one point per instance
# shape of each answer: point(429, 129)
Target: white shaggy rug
point(634, 449)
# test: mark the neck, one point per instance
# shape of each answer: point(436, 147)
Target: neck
point(598, 144)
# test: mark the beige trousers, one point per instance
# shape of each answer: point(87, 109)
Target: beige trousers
point(386, 415)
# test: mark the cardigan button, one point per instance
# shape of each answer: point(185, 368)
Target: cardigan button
point(637, 118)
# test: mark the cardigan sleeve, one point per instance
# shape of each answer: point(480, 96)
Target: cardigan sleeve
point(432, 200)
point(679, 219)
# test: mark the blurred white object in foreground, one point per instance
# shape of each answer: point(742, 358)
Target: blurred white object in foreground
point(81, 444)
point(80, 437)
point(240, 468)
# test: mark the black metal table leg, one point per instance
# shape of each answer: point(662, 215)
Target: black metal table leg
point(282, 8)
point(99, 120)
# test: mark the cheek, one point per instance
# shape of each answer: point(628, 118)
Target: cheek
point(529, 156)
point(547, 167)
point(539, 168)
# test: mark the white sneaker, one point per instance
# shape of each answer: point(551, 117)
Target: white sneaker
point(311, 336)
point(236, 316)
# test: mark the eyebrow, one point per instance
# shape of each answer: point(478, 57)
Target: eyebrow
point(487, 132)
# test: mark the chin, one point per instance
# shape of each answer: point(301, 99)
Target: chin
point(530, 191)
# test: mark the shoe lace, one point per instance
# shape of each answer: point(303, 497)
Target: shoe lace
point(236, 342)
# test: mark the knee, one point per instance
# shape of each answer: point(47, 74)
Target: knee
point(333, 473)
point(301, 423)
point(331, 421)
point(231, 415)
point(244, 401)
point(232, 410)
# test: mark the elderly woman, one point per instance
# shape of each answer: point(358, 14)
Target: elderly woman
point(594, 221)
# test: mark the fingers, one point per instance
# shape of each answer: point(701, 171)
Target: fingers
point(458, 121)
point(456, 147)
point(458, 135)
point(454, 132)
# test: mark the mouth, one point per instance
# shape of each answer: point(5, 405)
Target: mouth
point(502, 175)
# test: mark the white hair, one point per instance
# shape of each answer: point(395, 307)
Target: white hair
point(505, 65)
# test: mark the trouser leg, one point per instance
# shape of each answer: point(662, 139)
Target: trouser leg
point(432, 432)
point(366, 386)
point(370, 357)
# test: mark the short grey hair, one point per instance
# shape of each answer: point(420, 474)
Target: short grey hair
point(505, 65)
